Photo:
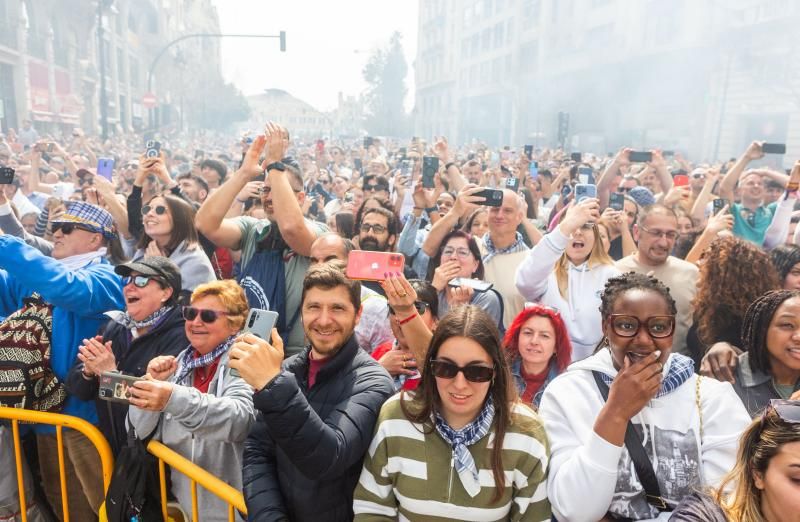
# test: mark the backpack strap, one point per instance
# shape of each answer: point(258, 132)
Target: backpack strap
point(641, 462)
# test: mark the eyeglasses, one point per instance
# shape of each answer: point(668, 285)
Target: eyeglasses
point(624, 190)
point(698, 175)
point(472, 372)
point(266, 190)
point(375, 188)
point(461, 253)
point(159, 209)
point(421, 306)
point(190, 313)
point(139, 281)
point(68, 228)
point(366, 227)
point(658, 326)
point(672, 235)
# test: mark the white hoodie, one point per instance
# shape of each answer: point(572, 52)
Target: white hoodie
point(589, 476)
point(536, 281)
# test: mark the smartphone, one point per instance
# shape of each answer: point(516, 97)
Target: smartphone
point(358, 164)
point(51, 147)
point(373, 266)
point(406, 167)
point(153, 149)
point(668, 153)
point(680, 180)
point(105, 168)
point(430, 165)
point(773, 148)
point(585, 190)
point(493, 197)
point(640, 156)
point(529, 151)
point(63, 190)
point(348, 197)
point(512, 184)
point(533, 170)
point(402, 152)
point(6, 175)
point(368, 141)
point(475, 284)
point(585, 175)
point(198, 153)
point(718, 205)
point(114, 386)
point(577, 157)
point(616, 201)
point(566, 190)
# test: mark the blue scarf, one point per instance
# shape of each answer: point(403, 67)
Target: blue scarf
point(681, 368)
point(517, 246)
point(188, 362)
point(467, 436)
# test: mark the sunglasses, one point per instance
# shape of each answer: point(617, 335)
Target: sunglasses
point(472, 372)
point(190, 313)
point(624, 190)
point(159, 209)
point(139, 281)
point(366, 227)
point(788, 411)
point(658, 326)
point(68, 228)
point(421, 306)
point(375, 188)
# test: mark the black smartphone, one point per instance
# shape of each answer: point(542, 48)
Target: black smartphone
point(493, 197)
point(640, 156)
point(577, 157)
point(668, 153)
point(718, 205)
point(402, 152)
point(773, 148)
point(585, 175)
point(153, 149)
point(529, 151)
point(616, 201)
point(368, 141)
point(357, 164)
point(512, 184)
point(6, 175)
point(430, 165)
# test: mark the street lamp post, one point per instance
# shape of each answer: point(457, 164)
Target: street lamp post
point(281, 36)
point(101, 52)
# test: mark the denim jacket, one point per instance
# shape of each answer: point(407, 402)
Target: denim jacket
point(519, 380)
point(754, 388)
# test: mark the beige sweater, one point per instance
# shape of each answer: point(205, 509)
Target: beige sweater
point(501, 271)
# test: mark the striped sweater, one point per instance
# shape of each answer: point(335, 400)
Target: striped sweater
point(409, 474)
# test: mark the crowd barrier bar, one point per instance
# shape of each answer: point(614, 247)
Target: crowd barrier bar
point(60, 421)
point(197, 475)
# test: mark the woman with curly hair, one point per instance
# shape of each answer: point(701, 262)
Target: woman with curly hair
point(786, 259)
point(733, 274)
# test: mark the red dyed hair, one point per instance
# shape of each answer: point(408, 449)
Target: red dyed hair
point(563, 350)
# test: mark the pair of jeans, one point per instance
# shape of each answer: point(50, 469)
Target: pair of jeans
point(83, 472)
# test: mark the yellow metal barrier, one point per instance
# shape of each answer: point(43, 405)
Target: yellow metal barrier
point(197, 475)
point(16, 415)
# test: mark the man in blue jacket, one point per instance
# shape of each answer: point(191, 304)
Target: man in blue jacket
point(80, 285)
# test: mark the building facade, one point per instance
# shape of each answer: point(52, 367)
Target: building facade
point(700, 76)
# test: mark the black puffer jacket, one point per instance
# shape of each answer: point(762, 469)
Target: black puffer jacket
point(132, 356)
point(303, 458)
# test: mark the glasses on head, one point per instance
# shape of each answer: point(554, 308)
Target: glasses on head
point(657, 326)
point(190, 313)
point(787, 410)
point(366, 227)
point(138, 281)
point(421, 306)
point(160, 210)
point(68, 228)
point(472, 372)
point(672, 235)
point(375, 188)
point(461, 253)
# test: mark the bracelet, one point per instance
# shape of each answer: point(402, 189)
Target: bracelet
point(408, 319)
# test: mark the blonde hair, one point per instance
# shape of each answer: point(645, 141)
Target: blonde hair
point(232, 297)
point(597, 257)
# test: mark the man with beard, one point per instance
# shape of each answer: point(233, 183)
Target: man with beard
point(655, 233)
point(317, 410)
point(377, 232)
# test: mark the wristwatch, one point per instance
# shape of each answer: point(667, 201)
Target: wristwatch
point(276, 166)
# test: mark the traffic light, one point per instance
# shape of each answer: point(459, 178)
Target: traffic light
point(283, 41)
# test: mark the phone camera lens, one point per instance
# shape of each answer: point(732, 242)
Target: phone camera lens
point(252, 321)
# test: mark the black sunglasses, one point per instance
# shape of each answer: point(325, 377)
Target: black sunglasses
point(68, 228)
point(138, 281)
point(421, 306)
point(160, 209)
point(375, 188)
point(190, 313)
point(472, 372)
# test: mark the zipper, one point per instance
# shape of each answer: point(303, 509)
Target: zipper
point(452, 466)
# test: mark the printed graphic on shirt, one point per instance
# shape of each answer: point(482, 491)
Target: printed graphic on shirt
point(677, 468)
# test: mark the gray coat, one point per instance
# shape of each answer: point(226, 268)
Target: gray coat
point(207, 428)
point(754, 387)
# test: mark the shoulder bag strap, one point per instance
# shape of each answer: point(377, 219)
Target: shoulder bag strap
point(641, 462)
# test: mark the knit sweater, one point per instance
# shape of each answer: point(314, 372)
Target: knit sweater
point(500, 272)
point(409, 473)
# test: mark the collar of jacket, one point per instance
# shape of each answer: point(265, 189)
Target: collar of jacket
point(749, 376)
point(340, 360)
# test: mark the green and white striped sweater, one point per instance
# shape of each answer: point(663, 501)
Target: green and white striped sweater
point(410, 475)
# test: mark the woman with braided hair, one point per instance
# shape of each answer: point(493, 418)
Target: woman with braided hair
point(770, 366)
point(632, 428)
point(786, 259)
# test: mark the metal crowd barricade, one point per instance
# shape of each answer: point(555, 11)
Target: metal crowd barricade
point(196, 475)
point(17, 415)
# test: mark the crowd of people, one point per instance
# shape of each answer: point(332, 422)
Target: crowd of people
point(569, 336)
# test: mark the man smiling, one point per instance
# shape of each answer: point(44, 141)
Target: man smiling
point(317, 411)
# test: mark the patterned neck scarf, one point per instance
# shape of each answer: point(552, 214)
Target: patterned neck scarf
point(680, 369)
point(189, 362)
point(130, 323)
point(467, 436)
point(517, 246)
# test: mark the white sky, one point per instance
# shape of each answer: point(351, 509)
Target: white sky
point(322, 37)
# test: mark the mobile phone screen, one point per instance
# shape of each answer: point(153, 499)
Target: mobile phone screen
point(533, 170)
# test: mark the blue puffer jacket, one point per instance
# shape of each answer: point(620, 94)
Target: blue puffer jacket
point(79, 299)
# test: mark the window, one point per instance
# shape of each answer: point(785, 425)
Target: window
point(498, 35)
point(486, 37)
